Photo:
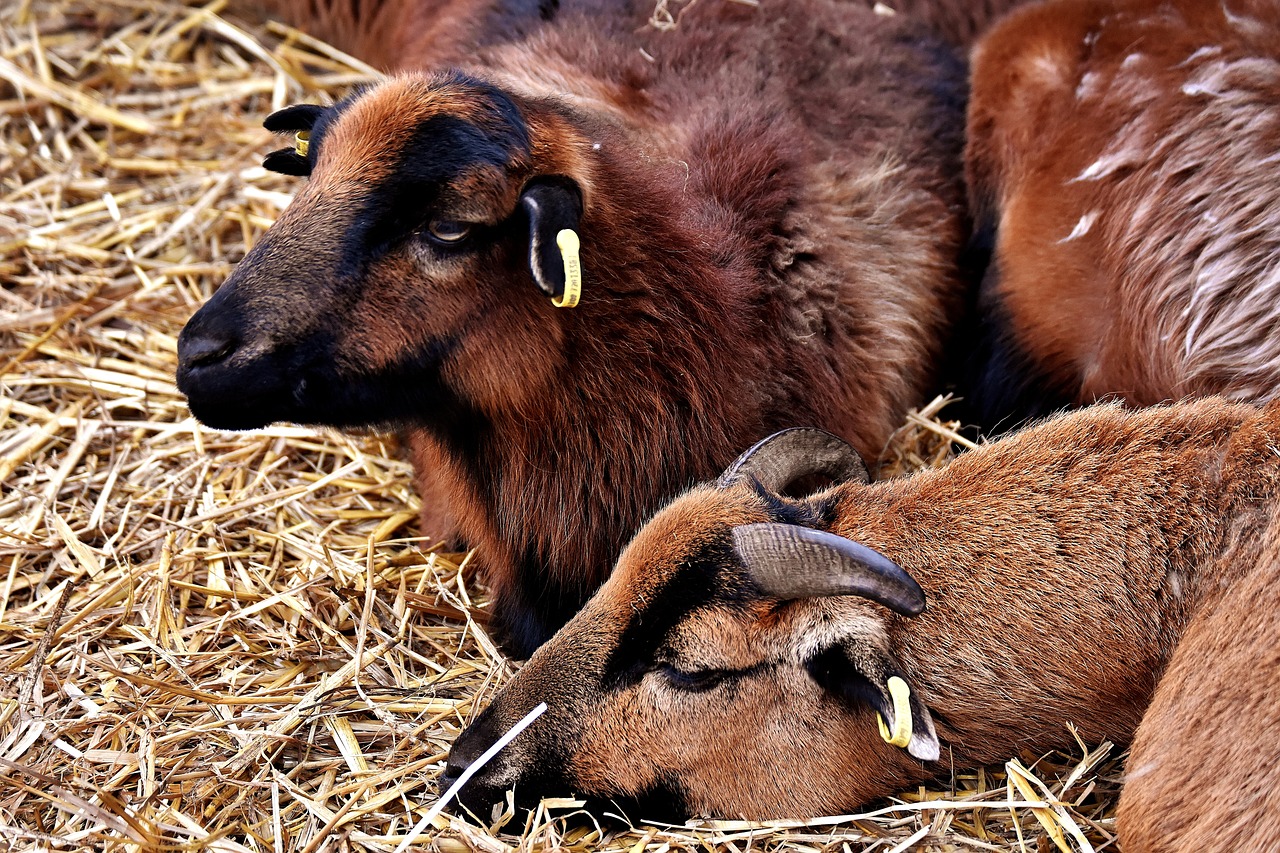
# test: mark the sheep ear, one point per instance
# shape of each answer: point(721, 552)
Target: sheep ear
point(788, 561)
point(287, 161)
point(861, 673)
point(553, 206)
point(296, 117)
point(299, 118)
point(785, 459)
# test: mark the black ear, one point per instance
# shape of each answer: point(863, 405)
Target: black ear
point(860, 672)
point(287, 161)
point(552, 205)
point(299, 118)
point(296, 117)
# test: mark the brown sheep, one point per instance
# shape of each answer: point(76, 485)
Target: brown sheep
point(1124, 152)
point(733, 665)
point(771, 216)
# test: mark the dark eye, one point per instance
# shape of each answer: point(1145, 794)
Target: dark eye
point(448, 230)
point(695, 681)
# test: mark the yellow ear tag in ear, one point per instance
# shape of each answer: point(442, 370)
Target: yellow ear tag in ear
point(301, 142)
point(567, 240)
point(901, 734)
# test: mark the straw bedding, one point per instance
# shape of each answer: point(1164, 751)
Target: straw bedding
point(234, 641)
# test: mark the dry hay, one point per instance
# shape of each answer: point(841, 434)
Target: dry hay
point(233, 641)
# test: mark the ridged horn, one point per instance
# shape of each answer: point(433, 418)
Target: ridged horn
point(788, 561)
point(793, 454)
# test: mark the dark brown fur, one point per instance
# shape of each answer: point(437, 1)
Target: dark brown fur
point(1123, 152)
point(958, 21)
point(395, 34)
point(772, 219)
point(407, 34)
point(1062, 566)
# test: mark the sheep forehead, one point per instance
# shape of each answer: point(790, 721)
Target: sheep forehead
point(677, 534)
point(678, 565)
point(366, 139)
point(678, 587)
point(731, 638)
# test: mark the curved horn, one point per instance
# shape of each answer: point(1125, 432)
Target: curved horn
point(789, 562)
point(785, 457)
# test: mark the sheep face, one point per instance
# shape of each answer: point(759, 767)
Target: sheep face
point(682, 687)
point(426, 211)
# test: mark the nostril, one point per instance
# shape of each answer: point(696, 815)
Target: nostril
point(200, 351)
point(452, 772)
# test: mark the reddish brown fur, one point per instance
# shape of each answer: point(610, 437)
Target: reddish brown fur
point(1204, 770)
point(771, 226)
point(1124, 154)
point(1062, 566)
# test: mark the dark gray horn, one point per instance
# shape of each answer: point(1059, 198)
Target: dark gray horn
point(790, 562)
point(793, 454)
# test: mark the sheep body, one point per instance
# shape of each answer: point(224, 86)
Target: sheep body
point(771, 215)
point(1204, 770)
point(427, 33)
point(1124, 155)
point(406, 34)
point(1062, 566)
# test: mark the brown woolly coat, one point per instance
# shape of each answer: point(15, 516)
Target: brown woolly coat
point(1123, 151)
point(404, 34)
point(1062, 567)
point(1204, 770)
point(771, 220)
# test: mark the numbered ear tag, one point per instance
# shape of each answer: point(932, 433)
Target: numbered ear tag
point(901, 734)
point(567, 240)
point(302, 142)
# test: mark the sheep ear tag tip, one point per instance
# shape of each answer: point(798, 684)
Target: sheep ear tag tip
point(301, 142)
point(901, 734)
point(568, 242)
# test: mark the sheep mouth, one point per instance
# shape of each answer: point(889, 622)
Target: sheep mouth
point(247, 404)
point(662, 804)
point(313, 386)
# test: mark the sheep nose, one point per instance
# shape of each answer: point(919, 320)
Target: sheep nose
point(203, 350)
point(452, 772)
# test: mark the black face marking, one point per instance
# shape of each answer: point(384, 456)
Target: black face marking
point(301, 383)
point(439, 150)
point(664, 801)
point(700, 582)
point(541, 775)
point(706, 680)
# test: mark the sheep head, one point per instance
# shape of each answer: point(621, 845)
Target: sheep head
point(735, 637)
point(427, 227)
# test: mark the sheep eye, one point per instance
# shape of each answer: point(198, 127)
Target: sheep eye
point(448, 230)
point(696, 681)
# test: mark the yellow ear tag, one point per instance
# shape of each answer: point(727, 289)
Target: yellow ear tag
point(567, 240)
point(301, 142)
point(901, 734)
